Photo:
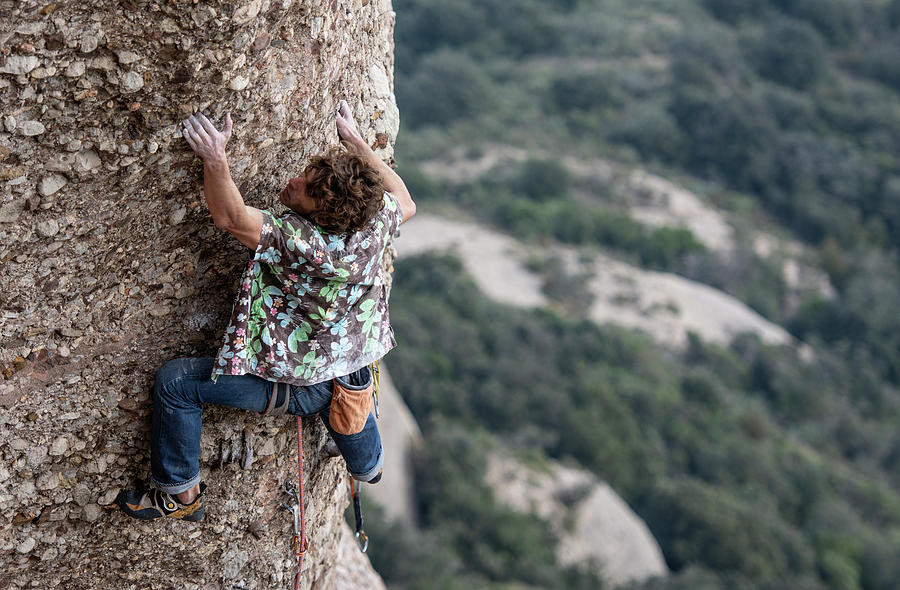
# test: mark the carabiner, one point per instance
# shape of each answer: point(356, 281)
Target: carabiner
point(291, 495)
point(364, 543)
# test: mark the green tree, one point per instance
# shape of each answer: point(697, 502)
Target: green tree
point(790, 53)
point(733, 11)
point(585, 90)
point(837, 20)
point(542, 180)
point(446, 86)
point(651, 130)
point(698, 523)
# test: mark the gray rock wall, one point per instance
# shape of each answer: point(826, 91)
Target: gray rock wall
point(400, 435)
point(111, 266)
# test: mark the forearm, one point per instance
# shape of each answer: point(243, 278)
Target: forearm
point(392, 181)
point(222, 196)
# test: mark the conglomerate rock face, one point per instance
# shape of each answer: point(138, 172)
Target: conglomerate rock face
point(111, 266)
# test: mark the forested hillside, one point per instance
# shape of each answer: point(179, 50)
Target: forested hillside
point(754, 466)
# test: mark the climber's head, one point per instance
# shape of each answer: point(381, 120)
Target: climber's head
point(338, 190)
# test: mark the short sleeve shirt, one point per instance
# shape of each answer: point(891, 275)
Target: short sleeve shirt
point(312, 306)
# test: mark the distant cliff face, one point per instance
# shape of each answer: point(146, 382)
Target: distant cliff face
point(596, 528)
point(111, 266)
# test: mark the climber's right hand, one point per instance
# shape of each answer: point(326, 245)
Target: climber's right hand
point(208, 142)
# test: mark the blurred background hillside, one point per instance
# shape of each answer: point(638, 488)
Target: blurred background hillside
point(745, 146)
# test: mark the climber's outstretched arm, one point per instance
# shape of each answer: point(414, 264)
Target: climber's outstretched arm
point(350, 135)
point(223, 198)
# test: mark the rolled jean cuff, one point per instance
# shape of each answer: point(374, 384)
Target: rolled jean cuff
point(177, 488)
point(371, 473)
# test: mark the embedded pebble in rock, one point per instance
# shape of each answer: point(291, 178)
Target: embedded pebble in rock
point(59, 446)
point(92, 512)
point(31, 128)
point(9, 212)
point(168, 26)
point(47, 482)
point(51, 184)
point(132, 82)
point(233, 561)
point(88, 43)
point(75, 69)
point(103, 62)
point(60, 163)
point(48, 227)
point(81, 494)
point(86, 160)
point(177, 216)
point(20, 64)
point(104, 222)
point(108, 497)
point(239, 83)
point(41, 73)
point(128, 57)
point(36, 455)
point(30, 28)
point(26, 546)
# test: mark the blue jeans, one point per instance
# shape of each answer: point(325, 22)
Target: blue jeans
point(184, 385)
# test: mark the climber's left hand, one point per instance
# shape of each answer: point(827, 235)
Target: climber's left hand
point(348, 130)
point(208, 142)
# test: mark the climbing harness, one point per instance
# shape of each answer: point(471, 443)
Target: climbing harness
point(279, 400)
point(361, 539)
point(297, 507)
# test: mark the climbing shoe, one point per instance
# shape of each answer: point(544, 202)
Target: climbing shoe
point(157, 504)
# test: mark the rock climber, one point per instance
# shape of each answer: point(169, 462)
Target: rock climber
point(310, 317)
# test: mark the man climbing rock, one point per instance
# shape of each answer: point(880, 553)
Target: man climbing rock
point(310, 316)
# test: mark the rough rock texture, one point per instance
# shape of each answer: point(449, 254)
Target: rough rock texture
point(596, 527)
point(353, 569)
point(400, 434)
point(111, 266)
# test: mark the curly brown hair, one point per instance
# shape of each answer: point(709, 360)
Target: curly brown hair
point(346, 189)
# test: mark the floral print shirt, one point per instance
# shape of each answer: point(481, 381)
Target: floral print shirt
point(312, 306)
